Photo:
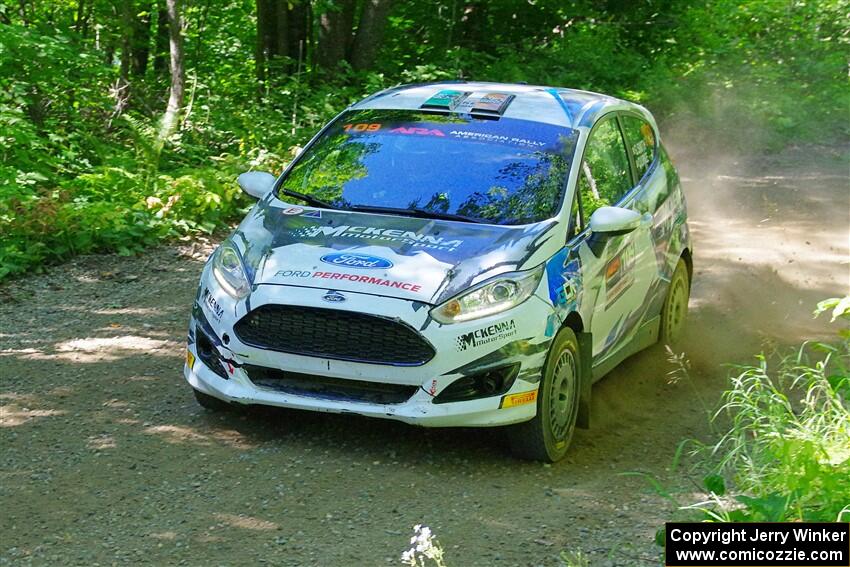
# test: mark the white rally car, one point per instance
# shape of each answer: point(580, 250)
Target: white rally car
point(452, 254)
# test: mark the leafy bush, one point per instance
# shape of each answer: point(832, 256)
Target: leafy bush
point(787, 446)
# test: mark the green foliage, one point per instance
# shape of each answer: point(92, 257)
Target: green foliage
point(787, 446)
point(81, 168)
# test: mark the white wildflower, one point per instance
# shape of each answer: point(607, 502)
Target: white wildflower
point(425, 546)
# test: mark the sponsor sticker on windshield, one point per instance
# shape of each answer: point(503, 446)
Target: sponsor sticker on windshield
point(517, 133)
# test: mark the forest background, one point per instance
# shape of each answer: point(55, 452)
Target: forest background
point(125, 123)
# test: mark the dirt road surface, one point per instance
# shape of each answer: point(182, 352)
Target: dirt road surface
point(106, 459)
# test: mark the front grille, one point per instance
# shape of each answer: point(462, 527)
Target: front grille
point(328, 388)
point(330, 333)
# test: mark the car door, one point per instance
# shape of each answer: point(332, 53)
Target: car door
point(617, 270)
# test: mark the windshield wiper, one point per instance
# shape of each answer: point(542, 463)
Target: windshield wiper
point(418, 212)
point(428, 213)
point(309, 199)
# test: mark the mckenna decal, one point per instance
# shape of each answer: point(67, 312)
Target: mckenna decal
point(215, 309)
point(292, 211)
point(381, 234)
point(350, 277)
point(351, 260)
point(490, 334)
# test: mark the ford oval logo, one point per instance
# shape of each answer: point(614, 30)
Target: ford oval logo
point(334, 297)
point(352, 260)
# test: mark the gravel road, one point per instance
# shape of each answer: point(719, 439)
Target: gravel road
point(106, 459)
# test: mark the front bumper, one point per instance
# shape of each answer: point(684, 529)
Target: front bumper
point(418, 410)
point(526, 346)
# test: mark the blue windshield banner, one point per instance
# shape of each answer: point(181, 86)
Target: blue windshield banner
point(510, 132)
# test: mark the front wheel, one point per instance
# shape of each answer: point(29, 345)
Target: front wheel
point(547, 437)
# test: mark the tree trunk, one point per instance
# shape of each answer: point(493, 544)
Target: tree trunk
point(282, 29)
point(370, 32)
point(79, 20)
point(271, 41)
point(334, 33)
point(260, 46)
point(297, 37)
point(160, 58)
point(22, 11)
point(175, 97)
point(121, 89)
point(140, 43)
point(474, 25)
point(202, 25)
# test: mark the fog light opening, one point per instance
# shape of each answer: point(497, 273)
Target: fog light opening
point(485, 384)
point(208, 354)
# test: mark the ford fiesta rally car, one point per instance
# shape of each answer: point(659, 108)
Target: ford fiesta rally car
point(455, 254)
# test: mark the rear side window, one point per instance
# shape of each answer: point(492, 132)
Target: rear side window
point(605, 172)
point(641, 140)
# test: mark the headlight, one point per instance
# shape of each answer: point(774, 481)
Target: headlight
point(499, 294)
point(229, 272)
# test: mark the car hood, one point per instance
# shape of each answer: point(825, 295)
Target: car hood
point(425, 260)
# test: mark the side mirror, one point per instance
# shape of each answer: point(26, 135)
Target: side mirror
point(610, 221)
point(257, 184)
point(614, 221)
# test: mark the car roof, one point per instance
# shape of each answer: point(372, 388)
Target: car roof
point(553, 105)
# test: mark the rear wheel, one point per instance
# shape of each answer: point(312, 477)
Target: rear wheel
point(209, 402)
point(547, 437)
point(675, 309)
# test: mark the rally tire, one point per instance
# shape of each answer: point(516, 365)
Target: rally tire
point(209, 402)
point(548, 435)
point(675, 310)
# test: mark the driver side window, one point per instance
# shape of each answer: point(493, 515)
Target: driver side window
point(605, 175)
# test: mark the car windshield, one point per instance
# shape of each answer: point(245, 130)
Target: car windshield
point(505, 171)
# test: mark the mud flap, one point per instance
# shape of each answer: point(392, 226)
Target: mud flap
point(585, 346)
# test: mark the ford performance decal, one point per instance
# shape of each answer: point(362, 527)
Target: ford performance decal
point(353, 260)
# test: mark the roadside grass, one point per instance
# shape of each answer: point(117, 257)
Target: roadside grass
point(786, 451)
point(782, 452)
